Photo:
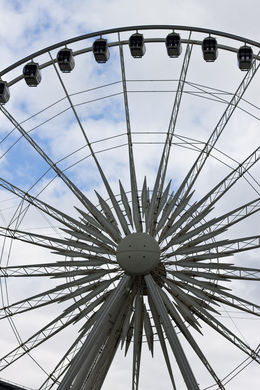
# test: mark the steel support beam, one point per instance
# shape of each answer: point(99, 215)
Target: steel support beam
point(180, 356)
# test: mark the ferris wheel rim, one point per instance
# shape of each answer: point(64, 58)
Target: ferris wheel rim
point(149, 280)
point(126, 29)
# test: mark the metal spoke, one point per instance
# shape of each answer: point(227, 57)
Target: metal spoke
point(61, 217)
point(52, 242)
point(213, 322)
point(98, 332)
point(138, 334)
point(40, 337)
point(126, 204)
point(162, 340)
point(159, 183)
point(65, 362)
point(200, 161)
point(208, 201)
point(93, 377)
point(134, 191)
point(108, 188)
point(189, 337)
point(66, 180)
point(229, 271)
point(224, 247)
point(225, 221)
point(58, 294)
point(213, 293)
point(184, 366)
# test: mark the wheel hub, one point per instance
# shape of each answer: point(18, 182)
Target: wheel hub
point(138, 253)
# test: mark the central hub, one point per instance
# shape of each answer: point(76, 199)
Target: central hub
point(138, 253)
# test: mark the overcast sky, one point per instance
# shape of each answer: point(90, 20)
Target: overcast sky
point(27, 26)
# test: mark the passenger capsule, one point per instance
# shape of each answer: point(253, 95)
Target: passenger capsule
point(137, 46)
point(101, 50)
point(4, 92)
point(210, 49)
point(173, 45)
point(32, 74)
point(65, 60)
point(244, 57)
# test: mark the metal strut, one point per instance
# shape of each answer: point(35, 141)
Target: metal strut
point(180, 356)
point(134, 190)
point(159, 183)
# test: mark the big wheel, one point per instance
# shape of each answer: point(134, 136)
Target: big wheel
point(130, 209)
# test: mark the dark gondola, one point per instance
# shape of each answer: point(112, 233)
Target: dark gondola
point(210, 49)
point(65, 60)
point(244, 57)
point(4, 92)
point(173, 45)
point(101, 50)
point(137, 46)
point(32, 74)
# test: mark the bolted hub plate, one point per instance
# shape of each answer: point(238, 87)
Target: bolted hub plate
point(138, 253)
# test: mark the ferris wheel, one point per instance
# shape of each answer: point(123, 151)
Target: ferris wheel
point(130, 198)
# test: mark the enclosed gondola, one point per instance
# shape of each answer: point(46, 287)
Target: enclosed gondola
point(245, 57)
point(101, 50)
point(137, 45)
point(32, 74)
point(65, 60)
point(173, 45)
point(210, 49)
point(4, 92)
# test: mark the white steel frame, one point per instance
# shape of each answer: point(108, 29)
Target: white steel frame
point(119, 308)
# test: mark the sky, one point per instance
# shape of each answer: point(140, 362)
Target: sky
point(28, 26)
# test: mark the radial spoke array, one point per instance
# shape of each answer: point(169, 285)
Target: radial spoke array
point(76, 271)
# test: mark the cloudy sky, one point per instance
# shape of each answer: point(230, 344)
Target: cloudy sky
point(28, 26)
